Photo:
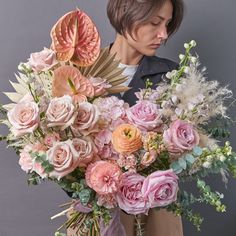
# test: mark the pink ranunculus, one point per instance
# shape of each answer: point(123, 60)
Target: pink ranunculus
point(100, 85)
point(129, 196)
point(84, 148)
point(24, 116)
point(145, 115)
point(63, 157)
point(107, 200)
point(61, 112)
point(51, 138)
point(26, 161)
point(43, 60)
point(103, 177)
point(86, 119)
point(160, 188)
point(181, 136)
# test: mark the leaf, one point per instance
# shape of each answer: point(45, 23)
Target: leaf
point(189, 158)
point(182, 163)
point(197, 151)
point(176, 167)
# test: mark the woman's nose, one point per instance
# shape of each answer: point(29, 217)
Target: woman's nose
point(162, 33)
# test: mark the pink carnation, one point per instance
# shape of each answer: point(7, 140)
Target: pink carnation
point(26, 161)
point(160, 188)
point(180, 137)
point(103, 177)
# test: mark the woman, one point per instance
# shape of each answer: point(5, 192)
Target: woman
point(142, 26)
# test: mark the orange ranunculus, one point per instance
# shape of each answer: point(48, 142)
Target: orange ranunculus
point(67, 80)
point(75, 38)
point(126, 139)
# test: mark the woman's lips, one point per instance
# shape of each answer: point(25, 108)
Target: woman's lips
point(155, 46)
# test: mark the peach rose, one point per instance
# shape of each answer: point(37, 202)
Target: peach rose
point(126, 139)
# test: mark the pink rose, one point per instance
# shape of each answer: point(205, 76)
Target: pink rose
point(84, 148)
point(86, 119)
point(100, 85)
point(103, 177)
point(180, 137)
point(61, 112)
point(63, 157)
point(24, 117)
point(43, 60)
point(145, 115)
point(160, 188)
point(26, 161)
point(51, 138)
point(129, 196)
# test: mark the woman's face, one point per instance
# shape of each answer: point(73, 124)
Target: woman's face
point(148, 37)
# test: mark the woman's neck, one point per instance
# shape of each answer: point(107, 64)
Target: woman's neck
point(125, 52)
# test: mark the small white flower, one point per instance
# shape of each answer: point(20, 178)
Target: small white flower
point(186, 70)
point(193, 43)
point(206, 164)
point(222, 158)
point(181, 56)
point(186, 45)
point(193, 59)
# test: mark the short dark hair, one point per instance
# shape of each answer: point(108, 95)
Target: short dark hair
point(125, 14)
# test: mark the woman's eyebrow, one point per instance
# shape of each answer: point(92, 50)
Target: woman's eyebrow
point(162, 18)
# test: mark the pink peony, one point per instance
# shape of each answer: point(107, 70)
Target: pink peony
point(103, 177)
point(24, 116)
point(160, 188)
point(87, 117)
point(129, 196)
point(43, 60)
point(61, 112)
point(145, 115)
point(63, 157)
point(180, 137)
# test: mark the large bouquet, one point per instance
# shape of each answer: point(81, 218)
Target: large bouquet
point(104, 153)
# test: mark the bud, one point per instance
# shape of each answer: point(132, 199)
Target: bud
point(206, 164)
point(186, 45)
point(181, 56)
point(186, 70)
point(193, 43)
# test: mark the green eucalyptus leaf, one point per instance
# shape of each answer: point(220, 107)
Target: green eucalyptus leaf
point(182, 163)
point(197, 151)
point(189, 158)
point(176, 167)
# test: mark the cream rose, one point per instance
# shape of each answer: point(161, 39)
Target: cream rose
point(63, 157)
point(61, 112)
point(24, 117)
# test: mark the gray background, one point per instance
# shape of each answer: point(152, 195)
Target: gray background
point(25, 27)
